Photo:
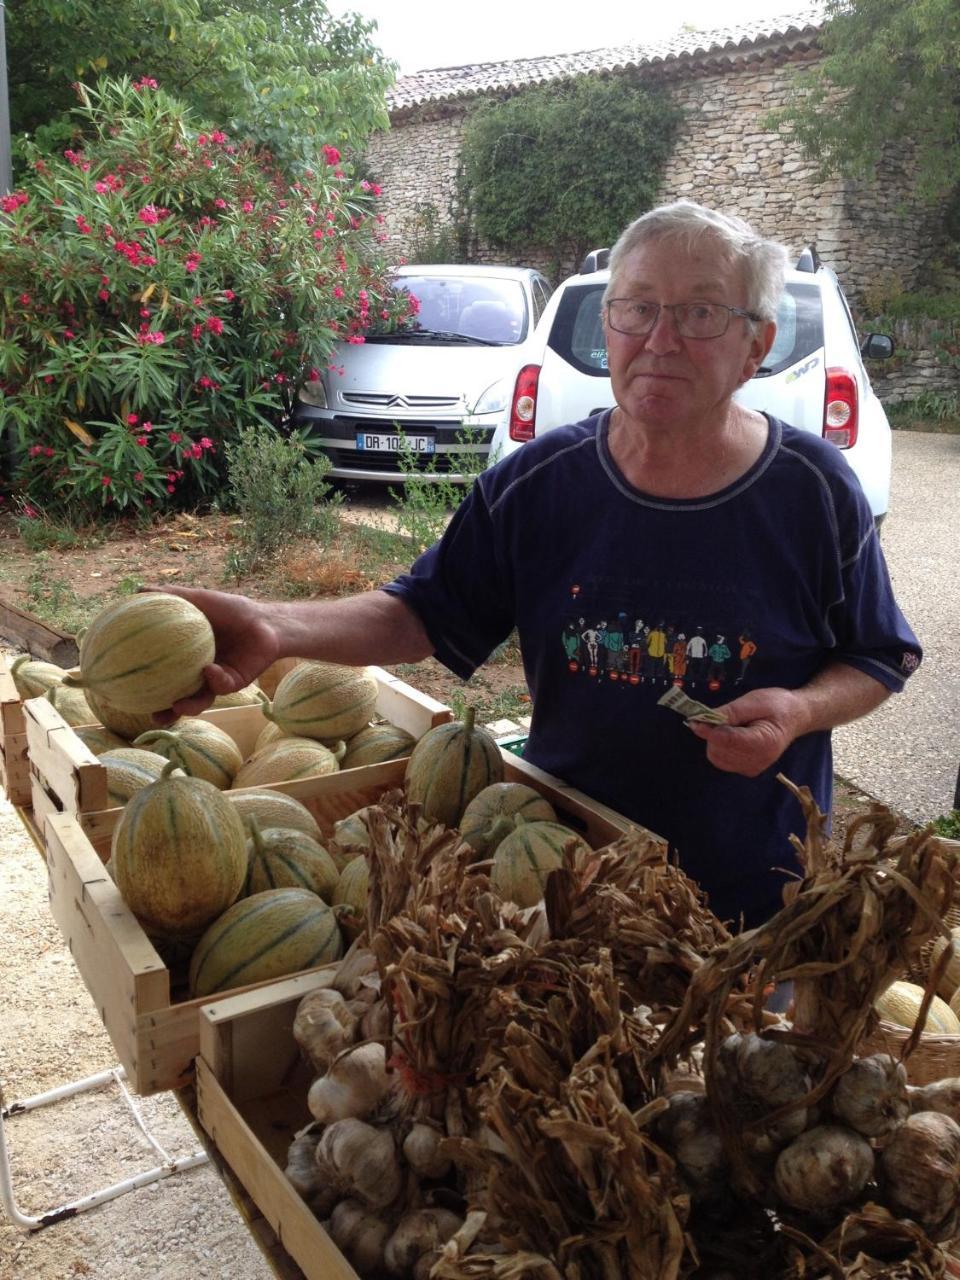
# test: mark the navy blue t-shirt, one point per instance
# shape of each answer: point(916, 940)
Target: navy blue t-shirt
point(617, 596)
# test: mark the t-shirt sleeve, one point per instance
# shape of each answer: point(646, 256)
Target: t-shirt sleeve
point(871, 632)
point(461, 590)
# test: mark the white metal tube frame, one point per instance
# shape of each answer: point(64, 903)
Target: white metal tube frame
point(166, 1169)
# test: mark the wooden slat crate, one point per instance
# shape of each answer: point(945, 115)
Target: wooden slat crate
point(251, 1099)
point(14, 769)
point(66, 777)
point(153, 1025)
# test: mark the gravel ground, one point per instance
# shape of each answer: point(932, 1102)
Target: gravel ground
point(907, 752)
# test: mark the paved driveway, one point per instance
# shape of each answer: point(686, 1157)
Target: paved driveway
point(907, 752)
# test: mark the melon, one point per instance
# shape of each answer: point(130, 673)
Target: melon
point(451, 764)
point(268, 935)
point(145, 652)
point(269, 733)
point(496, 810)
point(323, 700)
point(285, 761)
point(250, 696)
point(526, 856)
point(129, 770)
point(376, 743)
point(900, 1004)
point(97, 738)
point(32, 678)
point(280, 856)
point(201, 747)
point(179, 854)
point(71, 704)
point(350, 837)
point(352, 886)
point(128, 724)
point(273, 809)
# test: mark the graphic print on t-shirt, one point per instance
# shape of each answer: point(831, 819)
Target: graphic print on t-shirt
point(639, 647)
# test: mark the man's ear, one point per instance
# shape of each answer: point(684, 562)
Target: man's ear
point(760, 344)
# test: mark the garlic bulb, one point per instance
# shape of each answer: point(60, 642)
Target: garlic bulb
point(759, 1076)
point(377, 1022)
point(825, 1167)
point(942, 1096)
point(419, 1234)
point(920, 1169)
point(361, 1161)
point(301, 1169)
point(687, 1131)
point(355, 1085)
point(324, 1026)
point(421, 1150)
point(360, 1235)
point(871, 1096)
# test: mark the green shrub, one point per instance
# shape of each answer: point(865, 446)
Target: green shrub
point(948, 824)
point(162, 289)
point(279, 494)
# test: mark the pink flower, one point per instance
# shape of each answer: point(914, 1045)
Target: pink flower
point(103, 295)
point(331, 154)
point(146, 82)
point(142, 441)
point(24, 299)
point(48, 452)
point(356, 339)
point(174, 437)
point(206, 443)
point(10, 203)
point(82, 224)
point(218, 137)
point(337, 291)
point(214, 325)
point(69, 334)
point(220, 203)
point(145, 313)
point(30, 512)
point(146, 426)
point(313, 375)
point(195, 451)
point(229, 295)
point(247, 206)
point(132, 419)
point(170, 489)
point(105, 481)
point(149, 215)
point(192, 261)
point(35, 450)
point(196, 333)
point(201, 139)
point(138, 476)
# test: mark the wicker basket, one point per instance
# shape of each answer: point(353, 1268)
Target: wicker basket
point(934, 1058)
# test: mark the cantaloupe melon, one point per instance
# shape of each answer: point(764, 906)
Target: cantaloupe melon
point(179, 854)
point(494, 812)
point(269, 733)
point(201, 747)
point(32, 677)
point(526, 856)
point(900, 1004)
point(286, 760)
point(450, 764)
point(249, 696)
point(268, 935)
point(352, 886)
point(145, 652)
point(376, 743)
point(280, 857)
point(129, 770)
point(71, 705)
point(127, 724)
point(323, 700)
point(99, 738)
point(273, 809)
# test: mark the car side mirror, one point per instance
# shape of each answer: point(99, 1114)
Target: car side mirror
point(876, 346)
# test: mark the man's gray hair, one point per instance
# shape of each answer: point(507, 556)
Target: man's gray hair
point(763, 261)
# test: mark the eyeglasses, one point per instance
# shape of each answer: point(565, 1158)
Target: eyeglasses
point(693, 319)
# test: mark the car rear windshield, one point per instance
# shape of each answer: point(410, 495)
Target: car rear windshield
point(487, 309)
point(577, 331)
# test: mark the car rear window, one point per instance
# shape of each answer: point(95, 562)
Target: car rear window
point(577, 333)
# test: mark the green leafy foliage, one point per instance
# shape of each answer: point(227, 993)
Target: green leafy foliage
point(283, 74)
point(565, 166)
point(280, 495)
point(897, 65)
point(163, 288)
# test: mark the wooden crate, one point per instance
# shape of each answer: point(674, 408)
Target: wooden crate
point(66, 777)
point(251, 1099)
point(14, 769)
point(153, 1025)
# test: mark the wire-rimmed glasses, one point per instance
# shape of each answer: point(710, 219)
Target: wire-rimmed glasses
point(692, 319)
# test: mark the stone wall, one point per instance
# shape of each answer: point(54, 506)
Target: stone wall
point(925, 359)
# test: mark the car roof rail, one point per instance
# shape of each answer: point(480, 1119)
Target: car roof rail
point(595, 260)
point(809, 259)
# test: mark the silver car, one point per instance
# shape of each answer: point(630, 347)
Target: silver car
point(435, 391)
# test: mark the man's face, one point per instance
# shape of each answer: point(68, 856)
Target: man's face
point(661, 379)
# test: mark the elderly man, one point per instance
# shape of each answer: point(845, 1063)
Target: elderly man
point(682, 512)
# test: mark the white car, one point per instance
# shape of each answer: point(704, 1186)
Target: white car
point(814, 377)
point(437, 389)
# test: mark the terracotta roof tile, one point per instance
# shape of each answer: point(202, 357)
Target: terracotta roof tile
point(447, 83)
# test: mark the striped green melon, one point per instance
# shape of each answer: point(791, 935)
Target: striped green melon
point(99, 739)
point(450, 764)
point(128, 724)
point(201, 747)
point(32, 678)
point(129, 770)
point(496, 810)
point(144, 652)
point(179, 854)
point(268, 935)
point(350, 837)
point(376, 743)
point(273, 809)
point(249, 696)
point(269, 733)
point(353, 885)
point(285, 761)
point(526, 857)
point(323, 700)
point(280, 856)
point(71, 704)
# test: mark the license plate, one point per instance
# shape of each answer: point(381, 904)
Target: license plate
point(379, 442)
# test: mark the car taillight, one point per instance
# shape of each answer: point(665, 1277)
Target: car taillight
point(523, 410)
point(840, 415)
